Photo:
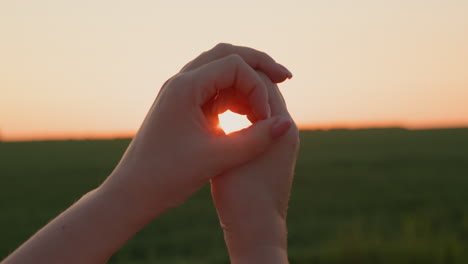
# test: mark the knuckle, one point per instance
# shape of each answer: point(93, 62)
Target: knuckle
point(263, 55)
point(263, 58)
point(179, 82)
point(179, 78)
point(223, 48)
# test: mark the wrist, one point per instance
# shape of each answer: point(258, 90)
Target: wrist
point(257, 242)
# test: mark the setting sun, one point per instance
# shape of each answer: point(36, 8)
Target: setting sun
point(231, 122)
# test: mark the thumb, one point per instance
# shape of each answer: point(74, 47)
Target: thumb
point(242, 146)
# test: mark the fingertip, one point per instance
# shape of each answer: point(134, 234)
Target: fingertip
point(285, 70)
point(280, 77)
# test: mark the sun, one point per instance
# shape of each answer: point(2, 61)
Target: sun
point(231, 122)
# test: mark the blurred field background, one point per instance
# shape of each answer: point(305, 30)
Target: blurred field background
point(359, 196)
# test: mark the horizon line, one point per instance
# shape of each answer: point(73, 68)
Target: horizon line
point(127, 135)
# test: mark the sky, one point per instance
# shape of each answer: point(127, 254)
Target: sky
point(92, 68)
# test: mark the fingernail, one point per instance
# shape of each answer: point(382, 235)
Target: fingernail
point(285, 70)
point(280, 127)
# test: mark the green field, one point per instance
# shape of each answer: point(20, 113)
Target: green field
point(359, 196)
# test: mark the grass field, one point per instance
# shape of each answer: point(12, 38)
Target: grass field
point(359, 196)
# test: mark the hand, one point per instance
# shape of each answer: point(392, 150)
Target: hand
point(175, 152)
point(177, 149)
point(252, 199)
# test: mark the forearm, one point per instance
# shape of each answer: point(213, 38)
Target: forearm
point(90, 231)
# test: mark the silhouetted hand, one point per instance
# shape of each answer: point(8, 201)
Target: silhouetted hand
point(252, 199)
point(178, 149)
point(175, 152)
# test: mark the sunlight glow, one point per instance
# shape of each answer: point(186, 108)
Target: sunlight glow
point(231, 122)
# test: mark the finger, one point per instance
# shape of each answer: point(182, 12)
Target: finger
point(211, 115)
point(275, 98)
point(245, 145)
point(240, 107)
point(228, 99)
point(256, 59)
point(230, 72)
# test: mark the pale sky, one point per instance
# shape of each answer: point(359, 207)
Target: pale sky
point(89, 67)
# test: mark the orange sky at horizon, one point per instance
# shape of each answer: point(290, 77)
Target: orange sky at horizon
point(233, 127)
point(91, 69)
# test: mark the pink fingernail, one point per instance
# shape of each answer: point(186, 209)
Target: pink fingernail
point(280, 127)
point(285, 70)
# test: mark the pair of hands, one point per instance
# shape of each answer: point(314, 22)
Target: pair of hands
point(179, 148)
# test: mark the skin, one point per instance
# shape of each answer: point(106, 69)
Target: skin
point(158, 170)
point(252, 199)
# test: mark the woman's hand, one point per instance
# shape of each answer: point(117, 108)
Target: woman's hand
point(178, 148)
point(252, 199)
point(175, 152)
